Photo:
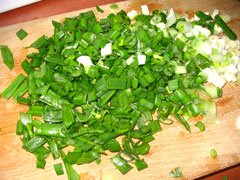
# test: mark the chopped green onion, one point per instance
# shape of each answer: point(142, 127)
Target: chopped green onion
point(113, 6)
point(58, 169)
point(8, 92)
point(41, 163)
point(213, 153)
point(35, 143)
point(7, 56)
point(99, 9)
point(20, 127)
point(141, 164)
point(116, 83)
point(229, 33)
point(21, 90)
point(68, 118)
point(176, 173)
point(200, 126)
point(21, 34)
point(121, 164)
point(40, 42)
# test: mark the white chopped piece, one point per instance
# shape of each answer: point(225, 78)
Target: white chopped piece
point(180, 70)
point(184, 26)
point(173, 33)
point(196, 30)
point(145, 10)
point(141, 59)
point(130, 60)
point(204, 48)
point(148, 50)
point(231, 69)
point(229, 77)
point(132, 14)
point(85, 61)
point(217, 29)
point(214, 13)
point(189, 34)
point(185, 48)
point(221, 43)
point(161, 26)
point(106, 50)
point(199, 29)
point(171, 18)
point(214, 77)
point(232, 44)
point(181, 37)
point(195, 18)
point(205, 32)
point(166, 33)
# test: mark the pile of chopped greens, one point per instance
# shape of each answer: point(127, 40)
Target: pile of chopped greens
point(94, 81)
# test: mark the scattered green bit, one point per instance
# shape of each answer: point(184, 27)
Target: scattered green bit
point(141, 164)
point(200, 126)
point(229, 33)
point(58, 169)
point(21, 34)
point(114, 6)
point(10, 90)
point(121, 164)
point(99, 9)
point(176, 173)
point(7, 56)
point(41, 163)
point(213, 153)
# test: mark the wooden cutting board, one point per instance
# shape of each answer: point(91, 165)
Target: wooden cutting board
point(173, 147)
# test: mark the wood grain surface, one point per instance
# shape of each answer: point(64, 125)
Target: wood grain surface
point(173, 147)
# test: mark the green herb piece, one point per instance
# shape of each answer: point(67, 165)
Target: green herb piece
point(200, 126)
point(99, 9)
point(21, 34)
point(141, 164)
point(68, 118)
point(121, 164)
point(35, 143)
point(7, 56)
point(229, 33)
point(71, 173)
point(142, 149)
point(58, 169)
point(116, 83)
point(114, 6)
point(41, 163)
point(40, 42)
point(213, 153)
point(176, 173)
point(183, 122)
point(52, 130)
point(19, 128)
point(8, 92)
point(21, 90)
